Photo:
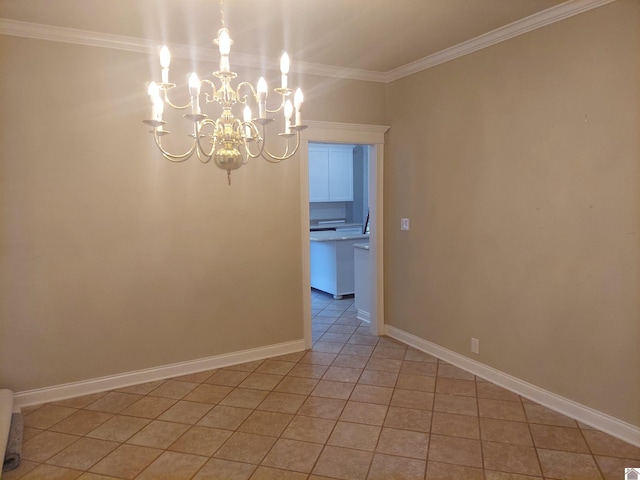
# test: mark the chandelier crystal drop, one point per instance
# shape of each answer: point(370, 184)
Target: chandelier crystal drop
point(232, 141)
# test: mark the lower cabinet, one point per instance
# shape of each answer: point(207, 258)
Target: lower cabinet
point(332, 266)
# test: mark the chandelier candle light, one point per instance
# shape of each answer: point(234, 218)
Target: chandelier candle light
point(228, 136)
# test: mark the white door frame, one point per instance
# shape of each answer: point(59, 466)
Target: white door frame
point(372, 135)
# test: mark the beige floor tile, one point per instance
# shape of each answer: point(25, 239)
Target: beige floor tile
point(25, 467)
point(228, 378)
point(217, 469)
point(47, 416)
point(384, 364)
point(372, 394)
point(309, 429)
point(612, 466)
point(173, 389)
point(141, 388)
point(379, 378)
point(385, 467)
point(603, 444)
point(335, 337)
point(83, 454)
point(456, 386)
point(293, 455)
point(414, 355)
point(198, 377)
point(489, 390)
point(158, 434)
point(261, 381)
point(245, 447)
point(51, 472)
point(148, 407)
point(412, 399)
point(354, 435)
point(329, 408)
point(291, 357)
point(451, 371)
point(559, 438)
point(266, 423)
point(45, 445)
point(455, 404)
point(455, 425)
point(81, 422)
point(119, 428)
point(329, 389)
point(319, 358)
point(277, 367)
point(494, 475)
point(269, 473)
point(343, 463)
point(113, 402)
point(360, 350)
point(568, 465)
point(350, 361)
point(126, 461)
point(501, 409)
point(367, 413)
point(419, 368)
point(28, 433)
point(95, 476)
point(298, 385)
point(403, 442)
point(246, 367)
point(173, 466)
point(244, 398)
point(308, 370)
point(341, 328)
point(342, 374)
point(326, 347)
point(510, 458)
point(460, 451)
point(408, 419)
point(505, 431)
point(543, 415)
point(282, 402)
point(225, 417)
point(186, 412)
point(200, 441)
point(386, 341)
point(382, 351)
point(407, 381)
point(207, 393)
point(448, 471)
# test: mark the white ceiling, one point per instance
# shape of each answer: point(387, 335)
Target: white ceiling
point(374, 36)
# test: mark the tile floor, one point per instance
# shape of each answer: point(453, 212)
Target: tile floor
point(356, 407)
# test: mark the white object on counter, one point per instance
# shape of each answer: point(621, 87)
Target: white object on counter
point(332, 262)
point(362, 281)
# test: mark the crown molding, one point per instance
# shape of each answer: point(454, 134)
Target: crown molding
point(537, 20)
point(132, 44)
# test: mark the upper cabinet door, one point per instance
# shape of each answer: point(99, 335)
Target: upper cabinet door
point(318, 174)
point(341, 174)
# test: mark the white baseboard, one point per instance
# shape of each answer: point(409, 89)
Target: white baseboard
point(364, 316)
point(601, 421)
point(111, 382)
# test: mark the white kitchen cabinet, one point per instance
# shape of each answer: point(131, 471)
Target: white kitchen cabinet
point(330, 173)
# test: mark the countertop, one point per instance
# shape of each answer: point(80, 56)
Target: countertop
point(324, 226)
point(331, 236)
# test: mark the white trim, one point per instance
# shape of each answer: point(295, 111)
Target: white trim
point(601, 421)
point(111, 382)
point(96, 39)
point(519, 27)
point(363, 316)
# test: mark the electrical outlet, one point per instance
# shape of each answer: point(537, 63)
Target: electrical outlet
point(404, 224)
point(475, 346)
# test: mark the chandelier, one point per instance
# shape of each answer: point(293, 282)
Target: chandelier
point(231, 141)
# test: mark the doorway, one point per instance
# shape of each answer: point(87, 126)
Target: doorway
point(355, 134)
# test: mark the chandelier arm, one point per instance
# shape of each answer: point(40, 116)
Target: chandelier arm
point(206, 121)
point(209, 98)
point(169, 156)
point(284, 100)
point(275, 158)
point(243, 98)
point(178, 107)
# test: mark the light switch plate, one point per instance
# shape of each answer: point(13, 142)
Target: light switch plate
point(404, 224)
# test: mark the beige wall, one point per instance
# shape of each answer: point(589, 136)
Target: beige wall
point(111, 258)
point(519, 168)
